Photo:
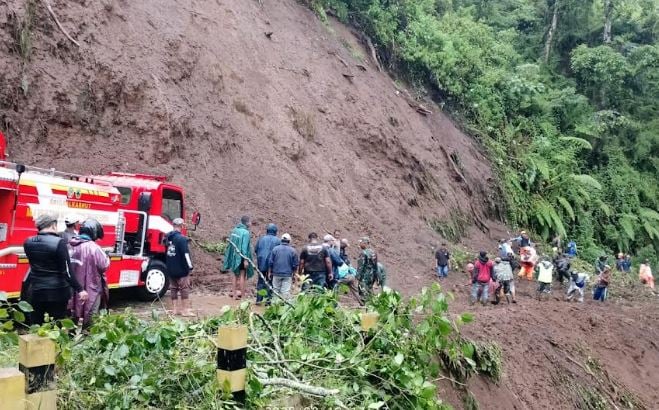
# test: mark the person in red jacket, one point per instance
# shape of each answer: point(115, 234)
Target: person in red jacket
point(480, 278)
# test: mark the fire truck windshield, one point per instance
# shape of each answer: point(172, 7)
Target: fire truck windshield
point(172, 204)
point(126, 194)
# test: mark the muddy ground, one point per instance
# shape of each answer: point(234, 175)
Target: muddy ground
point(556, 355)
point(257, 107)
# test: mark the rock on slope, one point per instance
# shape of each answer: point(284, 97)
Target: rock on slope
point(296, 127)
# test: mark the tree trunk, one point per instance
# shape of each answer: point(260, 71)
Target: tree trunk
point(608, 13)
point(552, 30)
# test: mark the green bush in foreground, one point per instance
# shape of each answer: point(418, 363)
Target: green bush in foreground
point(126, 362)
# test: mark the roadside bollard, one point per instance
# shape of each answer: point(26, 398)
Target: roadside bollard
point(368, 321)
point(36, 360)
point(12, 389)
point(232, 359)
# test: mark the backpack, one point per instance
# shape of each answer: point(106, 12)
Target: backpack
point(484, 274)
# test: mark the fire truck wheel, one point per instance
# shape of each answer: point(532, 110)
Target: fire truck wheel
point(156, 281)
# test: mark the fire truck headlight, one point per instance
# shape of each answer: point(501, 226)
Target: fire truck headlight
point(145, 265)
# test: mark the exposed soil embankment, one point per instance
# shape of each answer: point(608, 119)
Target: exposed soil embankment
point(254, 109)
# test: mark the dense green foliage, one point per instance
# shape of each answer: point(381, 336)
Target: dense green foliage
point(571, 120)
point(125, 362)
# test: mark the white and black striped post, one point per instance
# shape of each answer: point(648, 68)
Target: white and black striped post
point(232, 359)
point(368, 321)
point(12, 389)
point(36, 360)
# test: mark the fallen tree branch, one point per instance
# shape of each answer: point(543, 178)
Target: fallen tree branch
point(52, 14)
point(604, 389)
point(305, 388)
point(374, 55)
point(456, 169)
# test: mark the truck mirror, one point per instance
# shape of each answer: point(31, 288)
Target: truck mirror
point(20, 168)
point(196, 219)
point(144, 202)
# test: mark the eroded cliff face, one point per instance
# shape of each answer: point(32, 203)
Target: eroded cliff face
point(260, 110)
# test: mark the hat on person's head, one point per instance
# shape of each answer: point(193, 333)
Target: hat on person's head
point(72, 219)
point(482, 254)
point(178, 222)
point(344, 241)
point(497, 259)
point(328, 238)
point(522, 233)
point(286, 237)
point(365, 239)
point(44, 221)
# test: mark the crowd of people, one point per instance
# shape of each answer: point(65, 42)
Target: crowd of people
point(492, 280)
point(319, 264)
point(66, 275)
point(67, 269)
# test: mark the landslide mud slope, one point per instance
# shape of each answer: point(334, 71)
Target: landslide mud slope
point(560, 355)
point(260, 110)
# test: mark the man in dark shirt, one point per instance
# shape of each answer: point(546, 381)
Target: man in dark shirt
point(50, 272)
point(442, 261)
point(315, 262)
point(179, 266)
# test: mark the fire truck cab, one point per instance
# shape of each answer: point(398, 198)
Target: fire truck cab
point(136, 211)
point(152, 204)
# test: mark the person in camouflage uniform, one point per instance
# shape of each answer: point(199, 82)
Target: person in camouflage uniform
point(367, 268)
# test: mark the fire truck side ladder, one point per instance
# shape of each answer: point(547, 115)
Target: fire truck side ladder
point(120, 232)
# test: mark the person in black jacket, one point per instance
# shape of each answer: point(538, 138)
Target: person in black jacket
point(50, 272)
point(179, 266)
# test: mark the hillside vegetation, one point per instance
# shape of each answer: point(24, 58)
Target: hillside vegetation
point(564, 93)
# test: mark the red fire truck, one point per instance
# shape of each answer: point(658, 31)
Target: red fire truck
point(136, 211)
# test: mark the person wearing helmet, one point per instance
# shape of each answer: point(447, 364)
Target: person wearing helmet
point(89, 263)
point(263, 249)
point(50, 275)
point(72, 222)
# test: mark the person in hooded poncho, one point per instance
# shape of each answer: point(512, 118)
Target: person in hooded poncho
point(263, 249)
point(238, 255)
point(89, 264)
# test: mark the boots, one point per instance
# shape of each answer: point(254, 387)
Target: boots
point(187, 308)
